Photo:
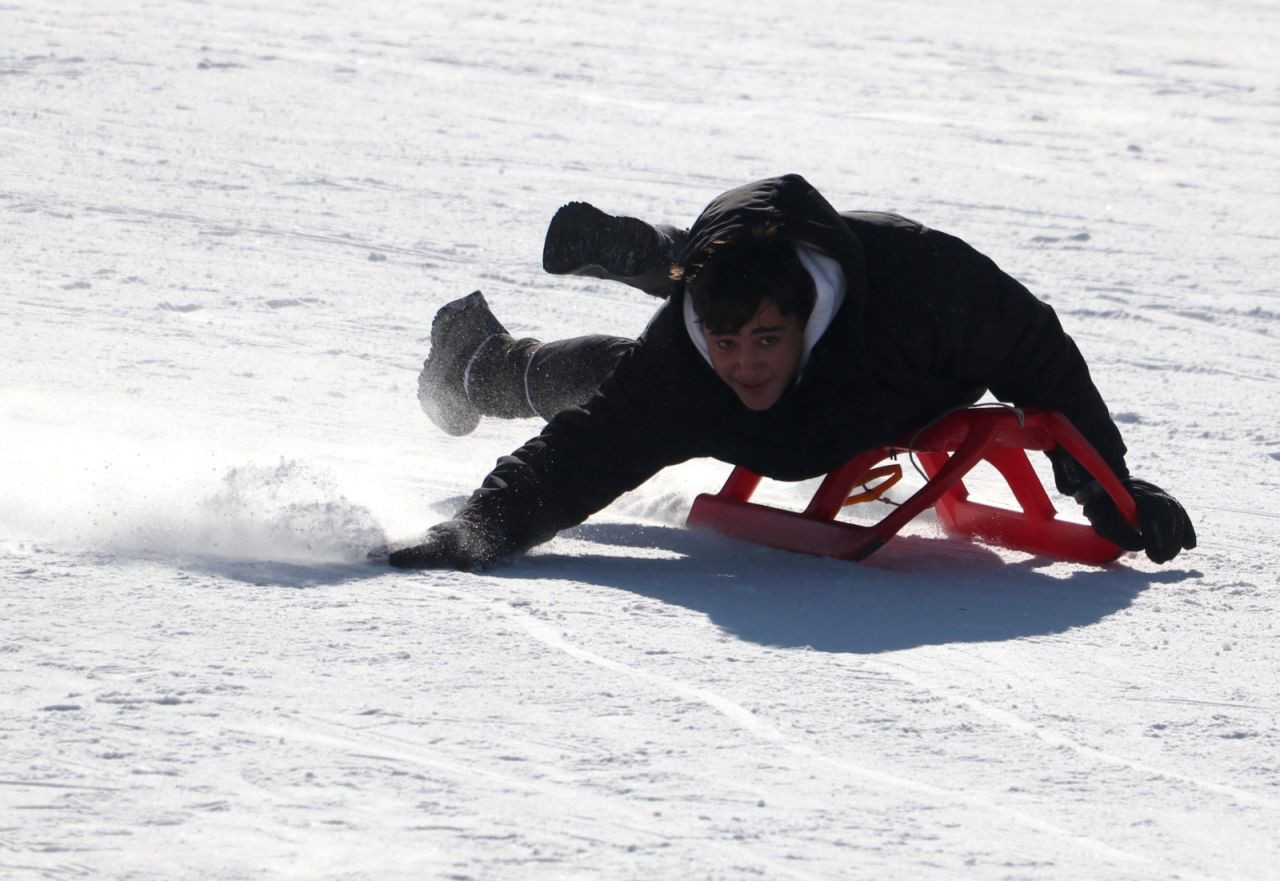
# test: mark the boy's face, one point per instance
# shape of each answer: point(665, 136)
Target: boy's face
point(760, 359)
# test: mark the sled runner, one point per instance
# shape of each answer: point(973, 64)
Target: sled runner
point(947, 450)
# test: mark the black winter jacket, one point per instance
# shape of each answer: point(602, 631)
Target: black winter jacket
point(927, 325)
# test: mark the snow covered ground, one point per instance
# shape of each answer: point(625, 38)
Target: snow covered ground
point(224, 229)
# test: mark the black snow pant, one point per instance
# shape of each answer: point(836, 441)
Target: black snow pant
point(520, 379)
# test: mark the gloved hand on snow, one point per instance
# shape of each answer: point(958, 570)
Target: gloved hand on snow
point(1166, 528)
point(453, 544)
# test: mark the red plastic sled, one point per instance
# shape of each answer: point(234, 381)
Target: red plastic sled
point(947, 450)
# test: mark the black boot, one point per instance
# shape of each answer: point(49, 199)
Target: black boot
point(478, 369)
point(460, 330)
point(583, 240)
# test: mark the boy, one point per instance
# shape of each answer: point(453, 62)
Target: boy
point(792, 337)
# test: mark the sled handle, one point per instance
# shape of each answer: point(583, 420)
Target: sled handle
point(1071, 440)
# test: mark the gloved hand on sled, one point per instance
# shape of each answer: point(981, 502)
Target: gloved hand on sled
point(1165, 527)
point(453, 544)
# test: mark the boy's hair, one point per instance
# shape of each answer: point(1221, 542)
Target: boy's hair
point(732, 286)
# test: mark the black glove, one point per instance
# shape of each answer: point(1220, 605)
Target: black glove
point(454, 544)
point(1166, 528)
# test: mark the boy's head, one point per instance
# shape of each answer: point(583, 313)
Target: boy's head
point(753, 299)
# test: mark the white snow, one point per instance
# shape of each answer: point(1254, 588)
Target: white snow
point(224, 231)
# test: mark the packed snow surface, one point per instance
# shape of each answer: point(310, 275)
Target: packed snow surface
point(225, 228)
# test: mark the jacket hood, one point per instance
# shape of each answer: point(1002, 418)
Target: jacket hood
point(786, 207)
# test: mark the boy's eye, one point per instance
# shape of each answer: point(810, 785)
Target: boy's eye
point(767, 341)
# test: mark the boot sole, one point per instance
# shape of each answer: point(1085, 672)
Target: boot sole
point(581, 235)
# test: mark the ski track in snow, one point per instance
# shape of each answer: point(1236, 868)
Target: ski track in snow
point(225, 231)
point(763, 730)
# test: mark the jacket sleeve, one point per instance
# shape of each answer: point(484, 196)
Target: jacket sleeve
point(1001, 337)
point(585, 458)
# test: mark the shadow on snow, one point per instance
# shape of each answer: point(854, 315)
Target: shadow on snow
point(914, 591)
point(264, 573)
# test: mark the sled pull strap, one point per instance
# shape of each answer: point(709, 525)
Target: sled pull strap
point(888, 475)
